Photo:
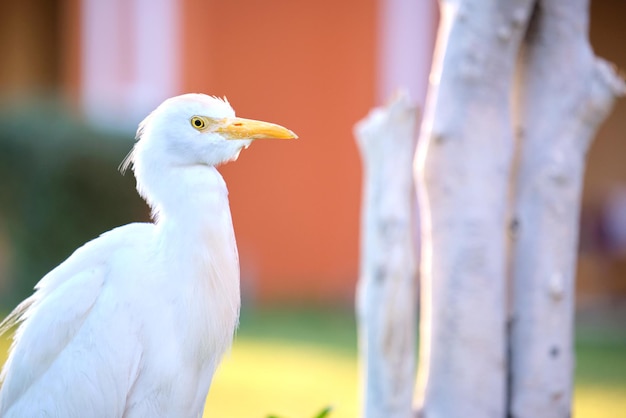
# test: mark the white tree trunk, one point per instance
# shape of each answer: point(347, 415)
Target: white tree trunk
point(564, 93)
point(463, 163)
point(386, 293)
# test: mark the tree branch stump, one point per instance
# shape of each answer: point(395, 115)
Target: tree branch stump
point(563, 94)
point(387, 289)
point(463, 165)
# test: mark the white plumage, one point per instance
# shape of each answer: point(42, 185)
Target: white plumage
point(135, 322)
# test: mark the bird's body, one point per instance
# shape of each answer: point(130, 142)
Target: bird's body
point(135, 322)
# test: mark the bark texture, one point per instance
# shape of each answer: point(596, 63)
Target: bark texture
point(387, 289)
point(463, 163)
point(563, 94)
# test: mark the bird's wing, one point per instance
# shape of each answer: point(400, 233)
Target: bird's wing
point(53, 315)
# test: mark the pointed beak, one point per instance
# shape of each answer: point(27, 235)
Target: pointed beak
point(240, 128)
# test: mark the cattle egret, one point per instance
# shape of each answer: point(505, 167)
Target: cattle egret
point(135, 322)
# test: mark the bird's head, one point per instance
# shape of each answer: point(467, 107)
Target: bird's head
point(186, 135)
point(196, 129)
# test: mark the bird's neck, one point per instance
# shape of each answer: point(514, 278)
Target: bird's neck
point(187, 195)
point(195, 235)
point(192, 215)
point(195, 228)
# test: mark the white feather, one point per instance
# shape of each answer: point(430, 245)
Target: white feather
point(134, 323)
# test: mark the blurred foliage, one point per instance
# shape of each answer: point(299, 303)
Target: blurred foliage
point(324, 413)
point(60, 188)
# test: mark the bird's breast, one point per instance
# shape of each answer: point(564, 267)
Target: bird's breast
point(208, 296)
point(193, 300)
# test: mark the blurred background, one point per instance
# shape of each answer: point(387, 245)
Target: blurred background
point(77, 76)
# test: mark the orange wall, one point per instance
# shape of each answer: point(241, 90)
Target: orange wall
point(28, 46)
point(310, 66)
point(71, 29)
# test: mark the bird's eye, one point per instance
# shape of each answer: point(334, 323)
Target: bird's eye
point(198, 123)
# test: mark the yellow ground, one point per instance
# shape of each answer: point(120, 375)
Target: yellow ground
point(293, 365)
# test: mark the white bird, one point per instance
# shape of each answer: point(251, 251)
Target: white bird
point(135, 322)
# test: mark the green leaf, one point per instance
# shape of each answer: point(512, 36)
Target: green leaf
point(324, 412)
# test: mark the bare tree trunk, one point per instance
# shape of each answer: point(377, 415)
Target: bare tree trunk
point(387, 294)
point(463, 163)
point(564, 94)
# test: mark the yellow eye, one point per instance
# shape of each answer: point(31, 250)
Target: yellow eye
point(198, 123)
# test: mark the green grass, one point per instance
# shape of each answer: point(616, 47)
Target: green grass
point(292, 363)
point(600, 385)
